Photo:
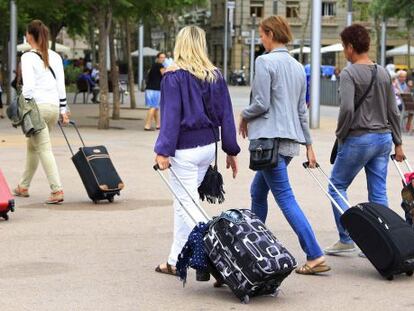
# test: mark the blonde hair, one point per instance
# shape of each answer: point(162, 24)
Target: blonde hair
point(190, 53)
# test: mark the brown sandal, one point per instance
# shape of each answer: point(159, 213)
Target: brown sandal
point(170, 270)
point(307, 270)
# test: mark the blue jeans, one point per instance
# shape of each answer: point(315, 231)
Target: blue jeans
point(370, 151)
point(277, 181)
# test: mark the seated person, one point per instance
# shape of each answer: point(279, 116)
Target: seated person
point(92, 84)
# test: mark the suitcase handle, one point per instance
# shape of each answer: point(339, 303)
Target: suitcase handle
point(310, 171)
point(197, 204)
point(400, 171)
point(66, 138)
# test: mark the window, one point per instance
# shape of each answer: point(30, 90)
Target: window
point(256, 7)
point(292, 9)
point(328, 9)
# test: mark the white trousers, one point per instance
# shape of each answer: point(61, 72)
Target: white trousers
point(190, 165)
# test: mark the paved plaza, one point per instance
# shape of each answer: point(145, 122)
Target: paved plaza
point(82, 256)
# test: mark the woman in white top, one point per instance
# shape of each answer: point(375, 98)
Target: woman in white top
point(43, 81)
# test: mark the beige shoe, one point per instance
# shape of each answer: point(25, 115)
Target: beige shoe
point(339, 248)
point(21, 192)
point(55, 198)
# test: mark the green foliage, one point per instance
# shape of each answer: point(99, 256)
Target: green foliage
point(72, 73)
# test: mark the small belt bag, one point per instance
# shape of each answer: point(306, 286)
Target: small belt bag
point(263, 153)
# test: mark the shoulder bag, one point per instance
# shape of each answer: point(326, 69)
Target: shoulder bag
point(334, 151)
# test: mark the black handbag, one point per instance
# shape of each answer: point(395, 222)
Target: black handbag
point(263, 153)
point(212, 186)
point(334, 151)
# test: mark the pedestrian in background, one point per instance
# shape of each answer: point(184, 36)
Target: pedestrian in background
point(47, 88)
point(365, 135)
point(278, 110)
point(187, 137)
point(168, 60)
point(152, 92)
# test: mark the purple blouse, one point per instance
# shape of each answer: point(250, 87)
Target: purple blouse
point(184, 122)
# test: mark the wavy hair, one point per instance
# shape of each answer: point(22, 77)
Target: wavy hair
point(190, 53)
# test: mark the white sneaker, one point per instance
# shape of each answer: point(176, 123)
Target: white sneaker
point(339, 248)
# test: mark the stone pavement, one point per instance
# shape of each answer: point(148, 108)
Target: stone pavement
point(81, 256)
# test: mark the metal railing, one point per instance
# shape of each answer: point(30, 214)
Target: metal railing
point(329, 92)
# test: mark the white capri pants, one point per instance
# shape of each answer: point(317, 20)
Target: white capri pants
point(190, 165)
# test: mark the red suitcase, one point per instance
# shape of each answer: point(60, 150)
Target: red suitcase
point(6, 198)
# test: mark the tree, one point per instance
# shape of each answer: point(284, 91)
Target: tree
point(402, 9)
point(56, 15)
point(114, 74)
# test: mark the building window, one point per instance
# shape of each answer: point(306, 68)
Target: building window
point(257, 7)
point(292, 9)
point(328, 9)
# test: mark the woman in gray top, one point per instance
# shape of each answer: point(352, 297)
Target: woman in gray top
point(278, 110)
point(365, 134)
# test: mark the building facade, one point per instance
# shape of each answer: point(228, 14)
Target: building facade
point(297, 13)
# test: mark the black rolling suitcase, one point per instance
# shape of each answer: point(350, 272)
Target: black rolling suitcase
point(242, 252)
point(96, 170)
point(384, 237)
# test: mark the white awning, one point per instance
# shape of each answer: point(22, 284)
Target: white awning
point(400, 50)
point(305, 50)
point(337, 47)
point(59, 47)
point(147, 52)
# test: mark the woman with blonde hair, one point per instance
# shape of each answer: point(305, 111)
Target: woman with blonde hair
point(43, 81)
point(195, 103)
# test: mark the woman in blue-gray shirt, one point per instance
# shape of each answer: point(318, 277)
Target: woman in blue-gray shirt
point(278, 110)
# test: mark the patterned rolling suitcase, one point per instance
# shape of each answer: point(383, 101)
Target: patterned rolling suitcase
point(384, 237)
point(6, 198)
point(242, 252)
point(96, 170)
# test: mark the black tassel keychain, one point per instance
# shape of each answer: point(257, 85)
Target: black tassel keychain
point(211, 188)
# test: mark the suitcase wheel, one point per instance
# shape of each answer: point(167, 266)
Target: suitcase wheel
point(5, 216)
point(111, 200)
point(95, 201)
point(409, 273)
point(390, 278)
point(245, 300)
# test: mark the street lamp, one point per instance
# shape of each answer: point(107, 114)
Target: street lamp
point(252, 47)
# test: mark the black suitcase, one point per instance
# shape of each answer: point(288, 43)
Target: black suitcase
point(382, 235)
point(96, 170)
point(242, 252)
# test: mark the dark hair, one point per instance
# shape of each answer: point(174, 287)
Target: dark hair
point(280, 28)
point(159, 54)
point(358, 36)
point(40, 34)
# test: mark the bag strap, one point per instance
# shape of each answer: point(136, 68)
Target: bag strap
point(362, 99)
point(50, 68)
point(209, 116)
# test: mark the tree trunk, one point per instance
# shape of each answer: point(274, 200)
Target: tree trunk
point(91, 33)
point(130, 69)
point(114, 75)
point(103, 122)
point(54, 32)
point(377, 25)
point(304, 29)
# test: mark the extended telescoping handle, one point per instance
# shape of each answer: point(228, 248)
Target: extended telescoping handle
point(400, 171)
point(66, 138)
point(196, 203)
point(334, 202)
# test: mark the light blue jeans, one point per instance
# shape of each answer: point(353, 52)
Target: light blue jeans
point(277, 181)
point(371, 152)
